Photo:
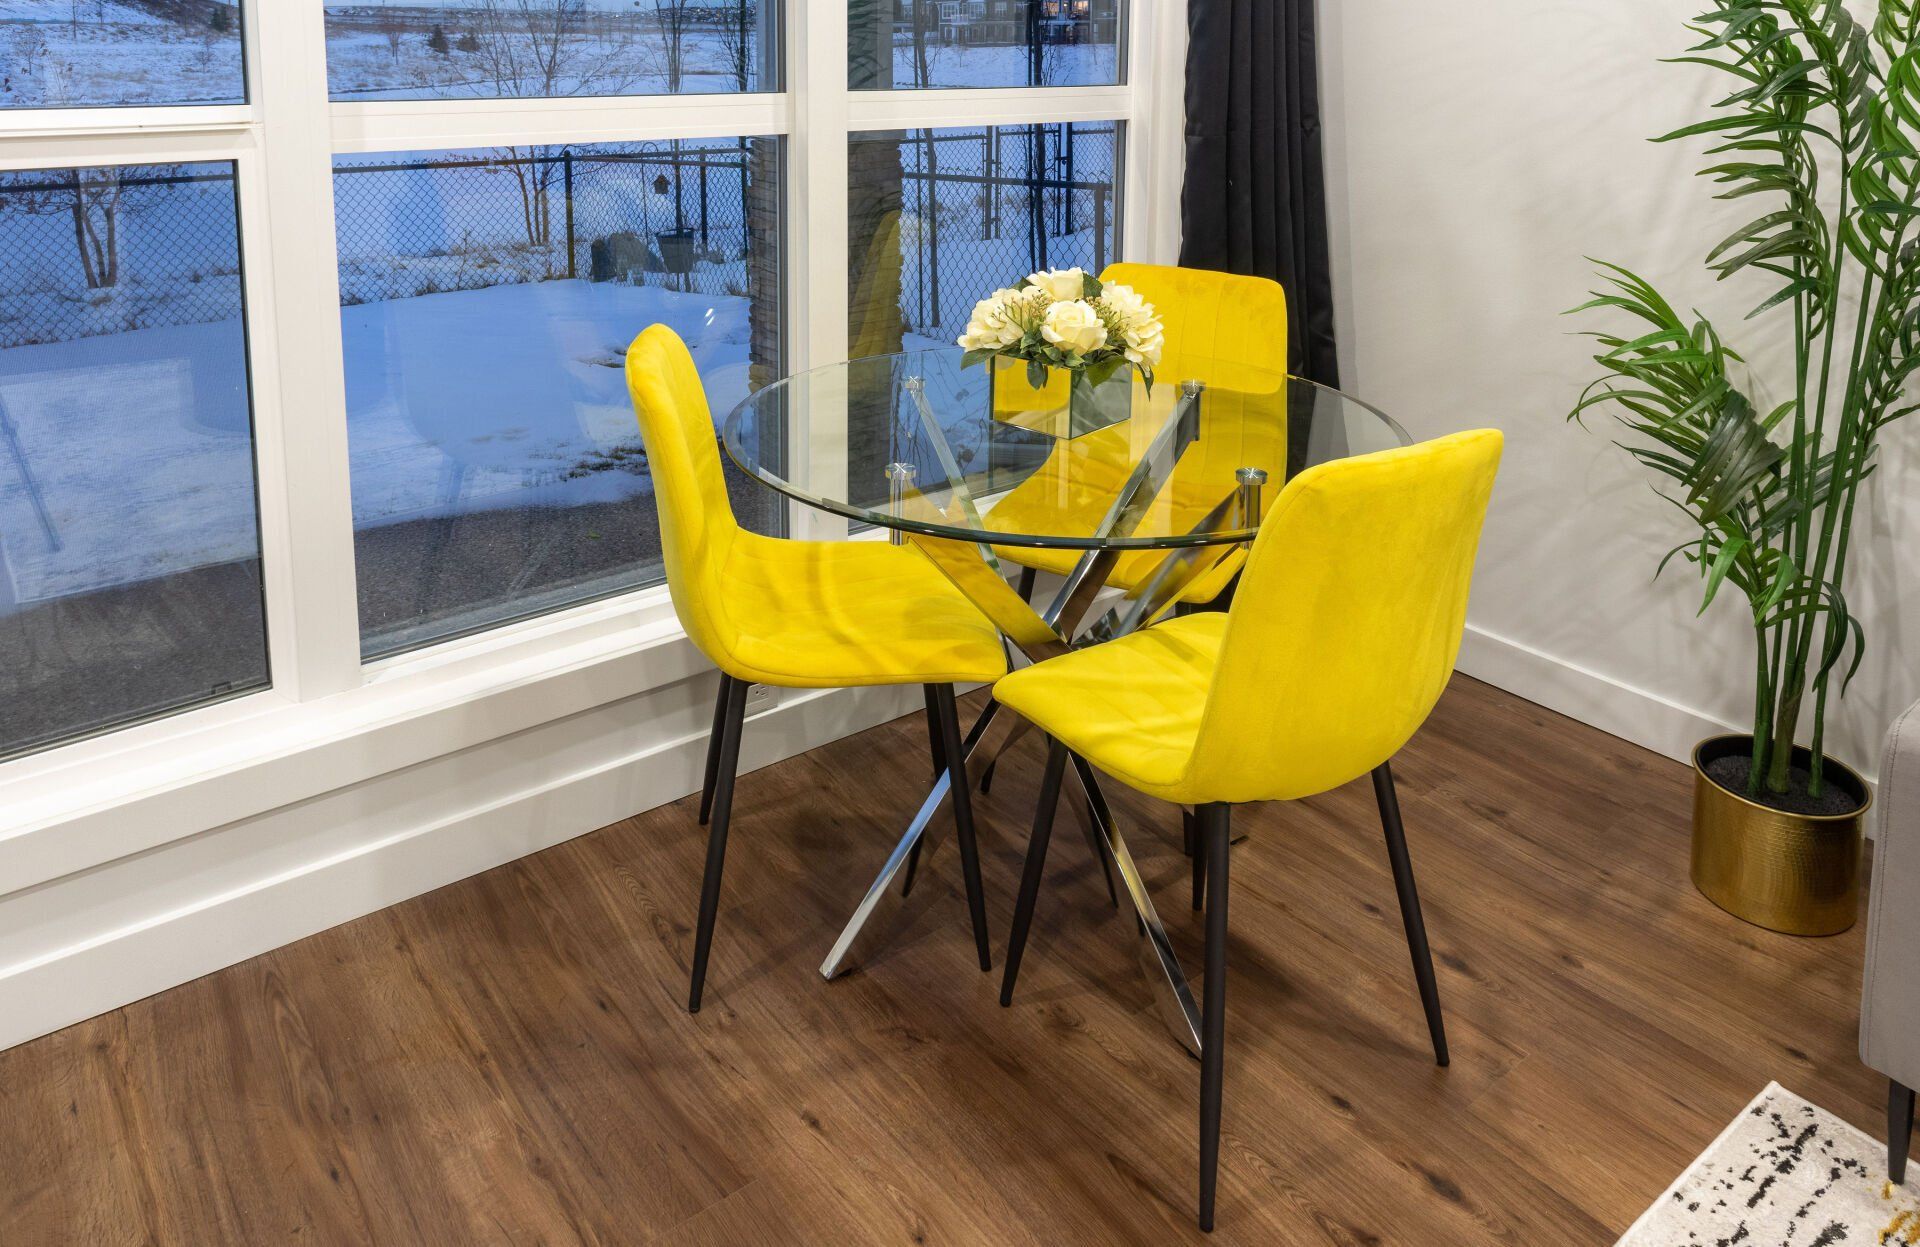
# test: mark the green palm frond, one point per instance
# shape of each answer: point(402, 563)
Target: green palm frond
point(1895, 25)
point(1769, 498)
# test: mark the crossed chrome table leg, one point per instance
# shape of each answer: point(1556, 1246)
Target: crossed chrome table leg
point(1041, 636)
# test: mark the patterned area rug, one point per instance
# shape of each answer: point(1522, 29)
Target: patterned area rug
point(1785, 1174)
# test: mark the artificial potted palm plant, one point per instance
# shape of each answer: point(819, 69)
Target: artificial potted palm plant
point(1821, 131)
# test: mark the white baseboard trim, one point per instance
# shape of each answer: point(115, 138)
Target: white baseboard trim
point(1615, 707)
point(85, 944)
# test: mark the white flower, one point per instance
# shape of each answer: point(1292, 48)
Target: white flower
point(1143, 337)
point(1146, 348)
point(1075, 327)
point(997, 321)
point(1125, 303)
point(1062, 285)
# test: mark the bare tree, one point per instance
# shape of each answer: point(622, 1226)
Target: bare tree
point(92, 200)
point(539, 48)
point(534, 48)
point(94, 208)
point(736, 41)
point(394, 28)
point(671, 18)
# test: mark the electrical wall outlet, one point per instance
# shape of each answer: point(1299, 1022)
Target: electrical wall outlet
point(759, 697)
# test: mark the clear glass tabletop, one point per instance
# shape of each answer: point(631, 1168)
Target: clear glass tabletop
point(917, 443)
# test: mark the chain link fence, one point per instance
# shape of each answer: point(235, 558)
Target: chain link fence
point(88, 252)
point(982, 208)
point(679, 216)
point(102, 251)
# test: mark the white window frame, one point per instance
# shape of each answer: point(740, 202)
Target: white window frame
point(99, 798)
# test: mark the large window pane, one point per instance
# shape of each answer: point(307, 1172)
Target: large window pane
point(129, 537)
point(910, 44)
point(521, 49)
point(105, 53)
point(489, 299)
point(938, 219)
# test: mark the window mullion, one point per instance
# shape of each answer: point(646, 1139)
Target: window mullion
point(817, 262)
point(1156, 133)
point(306, 502)
point(817, 198)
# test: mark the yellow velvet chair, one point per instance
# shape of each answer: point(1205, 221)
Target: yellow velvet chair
point(1221, 328)
point(794, 614)
point(1339, 641)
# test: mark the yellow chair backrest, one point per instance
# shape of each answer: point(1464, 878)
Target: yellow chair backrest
point(1213, 321)
point(874, 303)
point(1225, 329)
point(697, 527)
point(1347, 621)
point(1220, 327)
point(1231, 332)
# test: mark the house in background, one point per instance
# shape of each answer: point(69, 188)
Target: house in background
point(1010, 23)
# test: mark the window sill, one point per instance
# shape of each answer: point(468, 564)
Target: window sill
point(98, 800)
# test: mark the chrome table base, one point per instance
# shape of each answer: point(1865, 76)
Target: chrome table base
point(884, 906)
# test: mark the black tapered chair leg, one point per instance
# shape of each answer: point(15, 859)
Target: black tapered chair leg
point(933, 734)
point(1028, 576)
point(1036, 865)
point(1196, 856)
point(1389, 802)
point(1899, 1129)
point(1214, 830)
point(938, 745)
point(1198, 863)
point(713, 746)
point(955, 753)
point(732, 714)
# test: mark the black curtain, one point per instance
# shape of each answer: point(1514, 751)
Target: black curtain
point(1255, 195)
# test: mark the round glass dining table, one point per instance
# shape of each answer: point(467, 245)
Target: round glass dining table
point(1133, 498)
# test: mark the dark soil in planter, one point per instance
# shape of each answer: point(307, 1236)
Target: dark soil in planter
point(1730, 772)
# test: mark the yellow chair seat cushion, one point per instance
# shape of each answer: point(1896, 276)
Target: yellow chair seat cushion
point(813, 614)
point(1131, 707)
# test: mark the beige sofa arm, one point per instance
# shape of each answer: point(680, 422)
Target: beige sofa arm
point(1890, 999)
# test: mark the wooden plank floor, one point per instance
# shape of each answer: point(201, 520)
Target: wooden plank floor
point(507, 1060)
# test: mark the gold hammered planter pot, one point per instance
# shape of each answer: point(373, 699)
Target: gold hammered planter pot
point(1795, 873)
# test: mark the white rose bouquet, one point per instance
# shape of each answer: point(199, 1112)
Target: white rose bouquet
point(1066, 318)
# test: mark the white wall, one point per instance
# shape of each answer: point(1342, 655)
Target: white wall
point(1476, 153)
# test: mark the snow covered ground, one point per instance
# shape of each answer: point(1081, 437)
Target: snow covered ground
point(103, 53)
point(363, 63)
point(112, 54)
point(130, 455)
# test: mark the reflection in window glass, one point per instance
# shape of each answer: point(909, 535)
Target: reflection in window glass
point(916, 44)
point(489, 297)
point(938, 219)
point(106, 53)
point(129, 537)
point(538, 49)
